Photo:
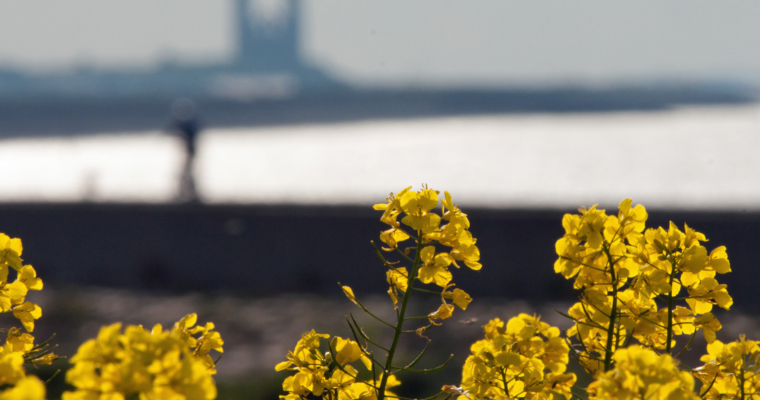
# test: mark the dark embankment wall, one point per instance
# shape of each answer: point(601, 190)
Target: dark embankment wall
point(268, 250)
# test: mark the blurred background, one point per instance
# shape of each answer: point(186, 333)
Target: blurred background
point(221, 157)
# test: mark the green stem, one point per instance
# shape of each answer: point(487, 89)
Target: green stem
point(709, 387)
point(611, 329)
point(669, 336)
point(52, 377)
point(688, 345)
point(400, 321)
point(426, 291)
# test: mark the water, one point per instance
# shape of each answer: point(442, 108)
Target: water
point(696, 157)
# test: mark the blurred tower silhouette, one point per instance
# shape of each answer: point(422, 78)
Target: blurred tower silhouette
point(268, 44)
point(267, 53)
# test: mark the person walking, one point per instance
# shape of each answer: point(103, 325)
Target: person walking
point(185, 124)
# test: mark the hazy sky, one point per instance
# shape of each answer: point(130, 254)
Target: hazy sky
point(401, 42)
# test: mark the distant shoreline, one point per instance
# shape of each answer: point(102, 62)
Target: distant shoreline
point(78, 115)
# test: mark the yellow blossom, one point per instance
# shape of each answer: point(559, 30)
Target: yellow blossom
point(392, 237)
point(640, 373)
point(28, 276)
point(18, 342)
point(11, 368)
point(350, 294)
point(460, 298)
point(10, 251)
point(445, 311)
point(348, 351)
point(318, 375)
point(27, 388)
point(27, 313)
point(435, 267)
point(151, 364)
point(398, 278)
point(512, 362)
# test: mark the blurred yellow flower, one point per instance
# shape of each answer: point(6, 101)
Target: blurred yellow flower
point(156, 364)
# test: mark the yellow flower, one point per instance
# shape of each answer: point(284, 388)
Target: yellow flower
point(418, 203)
point(494, 327)
point(398, 277)
point(348, 351)
point(392, 209)
point(392, 237)
point(460, 298)
point(454, 215)
point(363, 391)
point(513, 362)
point(27, 313)
point(27, 388)
point(151, 365)
point(730, 369)
point(466, 251)
point(615, 257)
point(186, 331)
point(558, 385)
point(425, 223)
point(10, 251)
point(28, 276)
point(318, 375)
point(709, 325)
point(11, 368)
point(350, 294)
point(417, 206)
point(12, 294)
point(18, 342)
point(207, 342)
point(445, 311)
point(640, 373)
point(434, 267)
point(706, 293)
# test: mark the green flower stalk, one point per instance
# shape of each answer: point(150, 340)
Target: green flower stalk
point(440, 242)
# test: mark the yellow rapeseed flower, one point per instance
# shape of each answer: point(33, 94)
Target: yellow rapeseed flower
point(27, 388)
point(640, 373)
point(435, 267)
point(153, 364)
point(525, 359)
point(329, 375)
point(350, 294)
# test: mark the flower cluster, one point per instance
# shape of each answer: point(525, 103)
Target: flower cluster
point(635, 283)
point(527, 359)
point(155, 364)
point(13, 294)
point(640, 373)
point(19, 347)
point(434, 265)
point(623, 272)
point(730, 370)
point(441, 241)
point(328, 374)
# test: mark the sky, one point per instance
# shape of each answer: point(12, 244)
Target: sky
point(437, 43)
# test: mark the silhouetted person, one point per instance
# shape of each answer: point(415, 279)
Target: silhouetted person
point(185, 124)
